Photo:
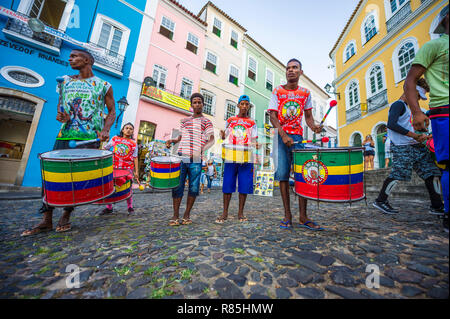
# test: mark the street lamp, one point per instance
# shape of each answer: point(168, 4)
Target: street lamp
point(123, 103)
point(328, 88)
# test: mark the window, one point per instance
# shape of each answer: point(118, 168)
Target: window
point(110, 38)
point(350, 50)
point(252, 67)
point(314, 110)
point(110, 35)
point(22, 76)
point(186, 88)
point(51, 12)
point(405, 57)
point(269, 80)
point(210, 101)
point(234, 75)
point(159, 76)
point(370, 28)
point(352, 95)
point(211, 62)
point(234, 38)
point(167, 28)
point(396, 5)
point(231, 110)
point(192, 43)
point(217, 27)
point(376, 83)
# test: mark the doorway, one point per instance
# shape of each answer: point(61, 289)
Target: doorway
point(146, 134)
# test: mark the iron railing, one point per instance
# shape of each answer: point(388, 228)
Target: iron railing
point(23, 29)
point(108, 58)
point(353, 113)
point(377, 101)
point(398, 17)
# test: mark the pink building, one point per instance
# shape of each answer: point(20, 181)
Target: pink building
point(172, 72)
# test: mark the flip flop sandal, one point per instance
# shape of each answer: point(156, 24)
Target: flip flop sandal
point(174, 222)
point(186, 221)
point(35, 230)
point(220, 220)
point(243, 219)
point(305, 225)
point(286, 225)
point(61, 229)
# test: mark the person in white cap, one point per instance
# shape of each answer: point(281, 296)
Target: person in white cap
point(432, 60)
point(409, 152)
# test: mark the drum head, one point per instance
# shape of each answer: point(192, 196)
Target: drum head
point(166, 159)
point(75, 154)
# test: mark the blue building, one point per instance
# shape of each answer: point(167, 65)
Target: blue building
point(31, 61)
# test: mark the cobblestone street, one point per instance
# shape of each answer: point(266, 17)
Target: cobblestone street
point(140, 256)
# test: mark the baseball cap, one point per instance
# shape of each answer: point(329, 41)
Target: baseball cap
point(244, 98)
point(422, 92)
point(440, 28)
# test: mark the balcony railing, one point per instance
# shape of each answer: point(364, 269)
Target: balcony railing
point(353, 113)
point(377, 101)
point(398, 17)
point(107, 58)
point(23, 29)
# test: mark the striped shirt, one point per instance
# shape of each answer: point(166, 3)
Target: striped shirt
point(195, 133)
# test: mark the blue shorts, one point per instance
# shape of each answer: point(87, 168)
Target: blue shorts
point(191, 170)
point(283, 157)
point(245, 179)
point(439, 126)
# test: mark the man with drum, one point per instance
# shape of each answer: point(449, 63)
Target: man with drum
point(197, 136)
point(90, 94)
point(288, 125)
point(432, 60)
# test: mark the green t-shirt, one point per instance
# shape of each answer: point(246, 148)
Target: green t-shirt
point(434, 57)
point(84, 100)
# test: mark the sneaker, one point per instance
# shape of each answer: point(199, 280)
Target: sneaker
point(385, 207)
point(445, 223)
point(106, 211)
point(436, 211)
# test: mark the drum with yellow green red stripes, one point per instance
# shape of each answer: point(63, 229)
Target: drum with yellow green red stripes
point(165, 172)
point(75, 177)
point(123, 180)
point(329, 174)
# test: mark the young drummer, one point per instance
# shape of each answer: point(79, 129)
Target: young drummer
point(409, 152)
point(125, 158)
point(240, 130)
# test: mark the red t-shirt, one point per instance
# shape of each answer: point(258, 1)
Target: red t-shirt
point(125, 151)
point(290, 105)
point(241, 131)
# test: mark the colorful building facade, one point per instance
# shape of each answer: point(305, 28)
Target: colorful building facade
point(372, 57)
point(30, 63)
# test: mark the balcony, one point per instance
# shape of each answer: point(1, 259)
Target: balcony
point(377, 101)
point(20, 31)
point(398, 17)
point(353, 113)
point(107, 60)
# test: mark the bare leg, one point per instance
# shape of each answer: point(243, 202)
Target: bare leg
point(303, 203)
point(226, 205)
point(242, 199)
point(189, 204)
point(176, 208)
point(284, 190)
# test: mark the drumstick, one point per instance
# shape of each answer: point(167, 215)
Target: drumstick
point(332, 104)
point(73, 144)
point(323, 139)
point(60, 80)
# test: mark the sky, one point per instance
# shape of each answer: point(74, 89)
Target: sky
point(304, 29)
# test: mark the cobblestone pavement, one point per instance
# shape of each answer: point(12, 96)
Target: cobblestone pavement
point(140, 256)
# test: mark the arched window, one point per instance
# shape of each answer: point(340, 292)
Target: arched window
point(403, 57)
point(350, 50)
point(375, 80)
point(352, 94)
point(369, 27)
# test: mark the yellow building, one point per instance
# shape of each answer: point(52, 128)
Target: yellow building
point(371, 58)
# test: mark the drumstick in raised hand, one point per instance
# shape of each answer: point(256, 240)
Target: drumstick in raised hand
point(60, 80)
point(332, 104)
point(73, 144)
